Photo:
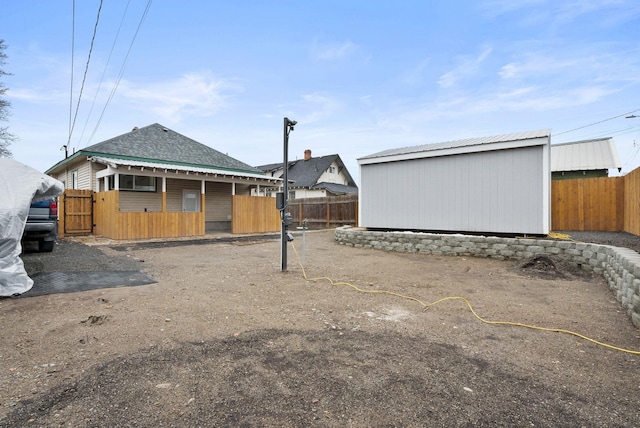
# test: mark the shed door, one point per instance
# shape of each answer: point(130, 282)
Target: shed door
point(190, 201)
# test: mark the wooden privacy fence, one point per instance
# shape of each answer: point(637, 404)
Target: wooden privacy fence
point(334, 211)
point(632, 202)
point(588, 204)
point(110, 222)
point(254, 214)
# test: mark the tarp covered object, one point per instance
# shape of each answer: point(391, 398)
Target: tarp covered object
point(19, 186)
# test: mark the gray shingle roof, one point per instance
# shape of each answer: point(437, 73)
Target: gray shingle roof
point(336, 189)
point(159, 143)
point(306, 173)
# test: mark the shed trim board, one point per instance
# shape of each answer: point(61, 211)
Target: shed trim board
point(485, 185)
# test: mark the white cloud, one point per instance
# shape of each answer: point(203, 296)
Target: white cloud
point(414, 76)
point(595, 63)
point(495, 8)
point(558, 13)
point(467, 66)
point(37, 95)
point(194, 94)
point(319, 106)
point(333, 51)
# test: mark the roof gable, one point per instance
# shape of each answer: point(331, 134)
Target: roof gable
point(159, 143)
point(306, 173)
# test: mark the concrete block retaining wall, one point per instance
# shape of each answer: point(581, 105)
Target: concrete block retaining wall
point(619, 266)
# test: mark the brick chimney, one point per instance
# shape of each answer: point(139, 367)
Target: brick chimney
point(307, 154)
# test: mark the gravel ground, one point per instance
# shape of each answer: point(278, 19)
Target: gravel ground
point(226, 339)
point(617, 239)
point(71, 256)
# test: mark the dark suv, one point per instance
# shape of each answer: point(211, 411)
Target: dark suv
point(42, 224)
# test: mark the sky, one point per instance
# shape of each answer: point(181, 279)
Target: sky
point(359, 76)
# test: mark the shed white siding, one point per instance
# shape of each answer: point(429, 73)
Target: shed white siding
point(491, 191)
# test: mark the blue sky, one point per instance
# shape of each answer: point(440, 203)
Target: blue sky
point(358, 76)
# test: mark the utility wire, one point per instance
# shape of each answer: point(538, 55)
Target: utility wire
point(104, 72)
point(73, 32)
point(86, 70)
point(121, 73)
point(596, 123)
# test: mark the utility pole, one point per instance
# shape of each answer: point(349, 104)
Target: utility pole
point(282, 198)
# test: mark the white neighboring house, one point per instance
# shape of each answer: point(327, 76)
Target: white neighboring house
point(310, 178)
point(584, 159)
point(498, 184)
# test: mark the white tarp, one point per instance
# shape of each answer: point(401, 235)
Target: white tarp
point(19, 186)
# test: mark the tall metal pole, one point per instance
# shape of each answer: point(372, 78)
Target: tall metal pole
point(284, 215)
point(285, 169)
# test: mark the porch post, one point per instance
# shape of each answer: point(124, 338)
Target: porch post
point(164, 194)
point(202, 195)
point(203, 221)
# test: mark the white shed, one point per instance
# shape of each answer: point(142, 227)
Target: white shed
point(499, 184)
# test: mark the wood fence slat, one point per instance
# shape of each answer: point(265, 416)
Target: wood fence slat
point(588, 204)
point(254, 214)
point(334, 211)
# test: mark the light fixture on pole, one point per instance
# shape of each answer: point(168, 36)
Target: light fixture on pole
point(283, 197)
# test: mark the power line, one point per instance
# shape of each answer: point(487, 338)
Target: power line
point(73, 32)
point(104, 72)
point(124, 65)
point(596, 123)
point(86, 69)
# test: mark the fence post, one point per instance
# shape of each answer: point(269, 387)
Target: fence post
point(328, 214)
point(357, 214)
point(299, 212)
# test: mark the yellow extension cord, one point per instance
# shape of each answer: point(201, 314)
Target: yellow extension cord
point(428, 305)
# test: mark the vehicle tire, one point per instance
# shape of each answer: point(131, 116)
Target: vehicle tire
point(45, 246)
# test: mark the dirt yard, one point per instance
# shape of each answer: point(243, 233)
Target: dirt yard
point(226, 339)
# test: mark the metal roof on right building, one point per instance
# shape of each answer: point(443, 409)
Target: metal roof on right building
point(585, 155)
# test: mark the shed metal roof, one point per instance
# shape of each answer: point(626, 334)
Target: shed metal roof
point(517, 139)
point(585, 155)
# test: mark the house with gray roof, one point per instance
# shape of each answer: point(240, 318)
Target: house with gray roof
point(312, 177)
point(157, 170)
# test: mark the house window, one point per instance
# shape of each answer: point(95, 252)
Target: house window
point(74, 179)
point(292, 194)
point(331, 170)
point(190, 201)
point(136, 183)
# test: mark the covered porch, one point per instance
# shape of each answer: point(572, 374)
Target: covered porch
point(144, 200)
